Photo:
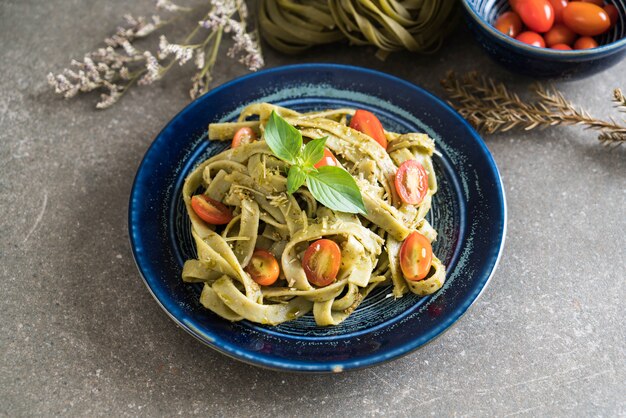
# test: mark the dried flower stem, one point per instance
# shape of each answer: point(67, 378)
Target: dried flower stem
point(491, 107)
point(121, 64)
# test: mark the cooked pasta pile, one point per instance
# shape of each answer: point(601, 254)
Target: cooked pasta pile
point(252, 183)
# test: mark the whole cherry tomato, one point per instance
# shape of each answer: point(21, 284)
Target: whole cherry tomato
point(585, 42)
point(613, 13)
point(586, 19)
point(531, 38)
point(562, 47)
point(559, 34)
point(509, 23)
point(558, 6)
point(538, 15)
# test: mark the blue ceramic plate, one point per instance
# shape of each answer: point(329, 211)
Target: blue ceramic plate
point(468, 212)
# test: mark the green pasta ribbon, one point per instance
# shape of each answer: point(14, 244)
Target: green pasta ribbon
point(261, 181)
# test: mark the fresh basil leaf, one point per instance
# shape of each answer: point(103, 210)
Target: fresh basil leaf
point(295, 178)
point(313, 151)
point(284, 140)
point(336, 189)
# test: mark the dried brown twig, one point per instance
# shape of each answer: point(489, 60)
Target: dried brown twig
point(491, 107)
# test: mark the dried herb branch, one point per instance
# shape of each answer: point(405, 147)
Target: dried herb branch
point(620, 100)
point(491, 107)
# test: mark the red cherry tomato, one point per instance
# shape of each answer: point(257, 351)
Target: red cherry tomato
point(327, 159)
point(613, 13)
point(369, 124)
point(509, 23)
point(562, 47)
point(321, 262)
point(263, 268)
point(558, 6)
point(243, 135)
point(538, 15)
point(411, 182)
point(211, 211)
point(531, 38)
point(596, 2)
point(585, 42)
point(559, 34)
point(416, 255)
point(586, 19)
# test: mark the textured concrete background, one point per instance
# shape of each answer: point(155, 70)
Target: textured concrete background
point(80, 334)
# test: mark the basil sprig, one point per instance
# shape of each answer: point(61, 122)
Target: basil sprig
point(332, 186)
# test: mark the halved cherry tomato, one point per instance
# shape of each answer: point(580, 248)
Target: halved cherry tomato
point(558, 6)
point(327, 159)
point(243, 136)
point(416, 255)
point(411, 182)
point(613, 13)
point(509, 23)
point(538, 15)
point(531, 38)
point(585, 42)
point(263, 267)
point(366, 122)
point(562, 47)
point(211, 211)
point(586, 19)
point(321, 262)
point(559, 34)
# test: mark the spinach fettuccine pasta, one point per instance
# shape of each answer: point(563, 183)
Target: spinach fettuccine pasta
point(308, 213)
point(292, 26)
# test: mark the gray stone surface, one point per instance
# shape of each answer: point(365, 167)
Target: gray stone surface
point(80, 335)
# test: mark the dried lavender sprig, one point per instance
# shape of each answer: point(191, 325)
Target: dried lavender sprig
point(120, 65)
point(246, 45)
point(119, 62)
point(202, 79)
point(169, 6)
point(221, 20)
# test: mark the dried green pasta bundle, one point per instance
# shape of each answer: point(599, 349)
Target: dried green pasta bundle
point(292, 26)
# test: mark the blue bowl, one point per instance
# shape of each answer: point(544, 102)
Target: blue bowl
point(468, 212)
point(544, 62)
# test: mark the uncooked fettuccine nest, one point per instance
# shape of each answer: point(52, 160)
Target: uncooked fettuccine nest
point(292, 26)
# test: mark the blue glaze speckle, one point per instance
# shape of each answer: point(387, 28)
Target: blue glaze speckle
point(468, 212)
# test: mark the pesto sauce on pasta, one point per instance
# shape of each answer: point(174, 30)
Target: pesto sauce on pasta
point(253, 181)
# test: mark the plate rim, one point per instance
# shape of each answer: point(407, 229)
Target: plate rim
point(267, 361)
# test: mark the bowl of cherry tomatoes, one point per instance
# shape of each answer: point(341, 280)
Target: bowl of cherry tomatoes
point(551, 38)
